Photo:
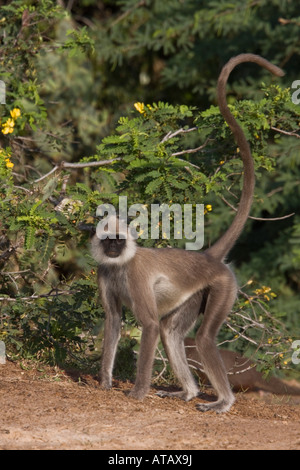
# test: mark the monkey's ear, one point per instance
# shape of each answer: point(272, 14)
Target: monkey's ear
point(87, 228)
point(92, 231)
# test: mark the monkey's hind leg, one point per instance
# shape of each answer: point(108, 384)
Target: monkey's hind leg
point(173, 329)
point(219, 304)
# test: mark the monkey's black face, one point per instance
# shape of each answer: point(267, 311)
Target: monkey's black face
point(113, 247)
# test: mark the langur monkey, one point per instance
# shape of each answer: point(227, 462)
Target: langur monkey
point(167, 289)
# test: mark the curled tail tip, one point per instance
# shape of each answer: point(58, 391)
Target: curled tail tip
point(249, 57)
point(221, 248)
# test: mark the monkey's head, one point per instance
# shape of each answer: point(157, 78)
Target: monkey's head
point(113, 242)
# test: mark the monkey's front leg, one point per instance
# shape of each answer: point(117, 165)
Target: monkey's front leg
point(112, 330)
point(149, 341)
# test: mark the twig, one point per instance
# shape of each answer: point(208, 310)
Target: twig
point(87, 164)
point(63, 165)
point(127, 12)
point(263, 219)
point(6, 273)
point(170, 134)
point(165, 363)
point(191, 150)
point(292, 134)
point(47, 174)
point(189, 163)
point(40, 296)
point(199, 366)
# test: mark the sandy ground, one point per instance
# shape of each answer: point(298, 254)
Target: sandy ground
point(47, 409)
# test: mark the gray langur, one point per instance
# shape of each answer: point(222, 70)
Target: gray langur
point(167, 289)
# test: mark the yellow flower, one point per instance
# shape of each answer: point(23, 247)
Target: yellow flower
point(8, 126)
point(208, 208)
point(140, 107)
point(7, 130)
point(8, 163)
point(10, 122)
point(15, 113)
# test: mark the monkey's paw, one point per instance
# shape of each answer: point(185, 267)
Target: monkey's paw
point(105, 384)
point(137, 394)
point(220, 406)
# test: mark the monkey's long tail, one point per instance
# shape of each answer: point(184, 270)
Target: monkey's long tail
point(278, 386)
point(221, 248)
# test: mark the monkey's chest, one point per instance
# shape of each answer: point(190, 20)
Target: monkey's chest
point(116, 284)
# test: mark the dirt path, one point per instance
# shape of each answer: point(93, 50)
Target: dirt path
point(41, 410)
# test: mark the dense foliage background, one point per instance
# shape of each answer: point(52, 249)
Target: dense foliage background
point(108, 98)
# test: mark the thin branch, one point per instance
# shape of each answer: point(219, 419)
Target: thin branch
point(39, 296)
point(292, 134)
point(170, 134)
point(165, 362)
point(47, 174)
point(127, 12)
point(87, 164)
point(281, 188)
point(63, 165)
point(189, 163)
point(6, 273)
point(199, 366)
point(263, 219)
point(191, 150)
